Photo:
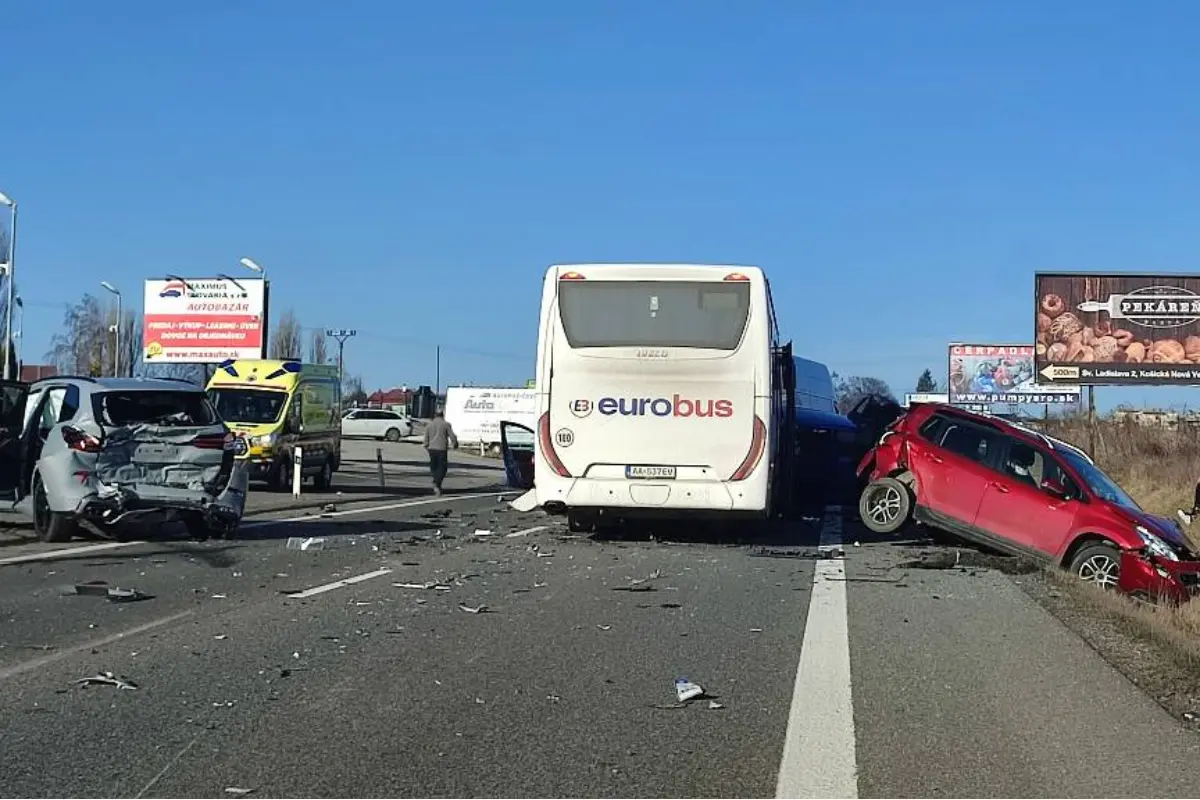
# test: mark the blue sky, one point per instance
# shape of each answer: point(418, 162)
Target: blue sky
point(410, 169)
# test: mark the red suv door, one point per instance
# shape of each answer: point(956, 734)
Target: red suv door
point(950, 457)
point(1017, 509)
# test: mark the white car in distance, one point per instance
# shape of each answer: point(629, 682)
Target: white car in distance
point(376, 423)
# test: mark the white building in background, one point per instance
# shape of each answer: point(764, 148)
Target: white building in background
point(925, 397)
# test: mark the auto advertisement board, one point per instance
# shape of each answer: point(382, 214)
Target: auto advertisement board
point(202, 320)
point(1000, 373)
point(475, 413)
point(1117, 329)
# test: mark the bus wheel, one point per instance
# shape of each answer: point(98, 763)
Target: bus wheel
point(578, 522)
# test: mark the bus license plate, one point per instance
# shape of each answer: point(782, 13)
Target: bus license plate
point(661, 473)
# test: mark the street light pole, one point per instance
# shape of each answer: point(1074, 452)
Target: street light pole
point(116, 329)
point(341, 334)
point(10, 297)
point(254, 266)
point(19, 334)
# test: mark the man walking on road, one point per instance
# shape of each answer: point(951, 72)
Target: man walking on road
point(439, 438)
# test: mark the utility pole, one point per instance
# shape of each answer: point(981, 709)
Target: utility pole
point(437, 389)
point(341, 334)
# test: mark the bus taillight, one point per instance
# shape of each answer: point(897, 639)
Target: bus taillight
point(548, 447)
point(757, 444)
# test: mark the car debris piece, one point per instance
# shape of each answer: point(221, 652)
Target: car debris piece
point(637, 587)
point(473, 609)
point(756, 630)
point(234, 790)
point(713, 705)
point(441, 587)
point(685, 690)
point(483, 532)
point(329, 508)
point(305, 543)
point(116, 595)
point(106, 679)
point(605, 627)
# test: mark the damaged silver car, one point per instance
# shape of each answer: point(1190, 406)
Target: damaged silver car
point(97, 455)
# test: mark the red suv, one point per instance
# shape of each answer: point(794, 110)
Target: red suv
point(1016, 490)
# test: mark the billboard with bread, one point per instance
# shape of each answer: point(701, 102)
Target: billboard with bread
point(1120, 329)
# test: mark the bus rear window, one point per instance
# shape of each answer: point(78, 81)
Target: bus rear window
point(654, 313)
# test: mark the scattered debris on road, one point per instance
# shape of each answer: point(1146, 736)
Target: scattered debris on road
point(605, 627)
point(113, 593)
point(441, 587)
point(713, 705)
point(234, 790)
point(106, 679)
point(474, 609)
point(685, 690)
point(305, 543)
point(483, 532)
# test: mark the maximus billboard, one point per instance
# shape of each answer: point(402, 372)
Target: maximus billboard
point(983, 374)
point(1117, 329)
point(202, 320)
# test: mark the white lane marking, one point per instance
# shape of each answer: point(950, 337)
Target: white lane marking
point(526, 532)
point(70, 551)
point(819, 758)
point(37, 663)
point(365, 510)
point(50, 555)
point(329, 587)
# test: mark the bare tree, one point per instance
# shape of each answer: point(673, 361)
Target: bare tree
point(353, 393)
point(853, 388)
point(286, 340)
point(131, 342)
point(318, 351)
point(78, 349)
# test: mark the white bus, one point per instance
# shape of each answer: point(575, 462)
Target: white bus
point(658, 393)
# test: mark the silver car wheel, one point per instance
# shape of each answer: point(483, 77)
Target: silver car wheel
point(1101, 570)
point(885, 505)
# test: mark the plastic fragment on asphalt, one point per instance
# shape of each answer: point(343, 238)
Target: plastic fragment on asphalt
point(605, 627)
point(220, 637)
point(106, 679)
point(441, 587)
point(483, 532)
point(713, 705)
point(756, 630)
point(473, 609)
point(218, 597)
point(652, 576)
point(302, 543)
point(685, 690)
point(237, 791)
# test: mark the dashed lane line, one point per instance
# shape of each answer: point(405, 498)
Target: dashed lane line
point(339, 584)
point(819, 758)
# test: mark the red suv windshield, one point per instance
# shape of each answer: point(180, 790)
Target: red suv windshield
point(1099, 483)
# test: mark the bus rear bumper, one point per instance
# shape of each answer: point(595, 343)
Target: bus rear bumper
point(633, 498)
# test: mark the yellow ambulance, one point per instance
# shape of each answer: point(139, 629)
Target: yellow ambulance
point(278, 406)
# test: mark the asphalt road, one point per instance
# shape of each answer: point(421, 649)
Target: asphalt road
point(323, 673)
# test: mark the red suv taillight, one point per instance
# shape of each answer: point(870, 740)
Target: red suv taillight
point(80, 441)
point(552, 458)
point(758, 443)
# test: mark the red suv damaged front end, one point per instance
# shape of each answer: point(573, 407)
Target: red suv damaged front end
point(1014, 489)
